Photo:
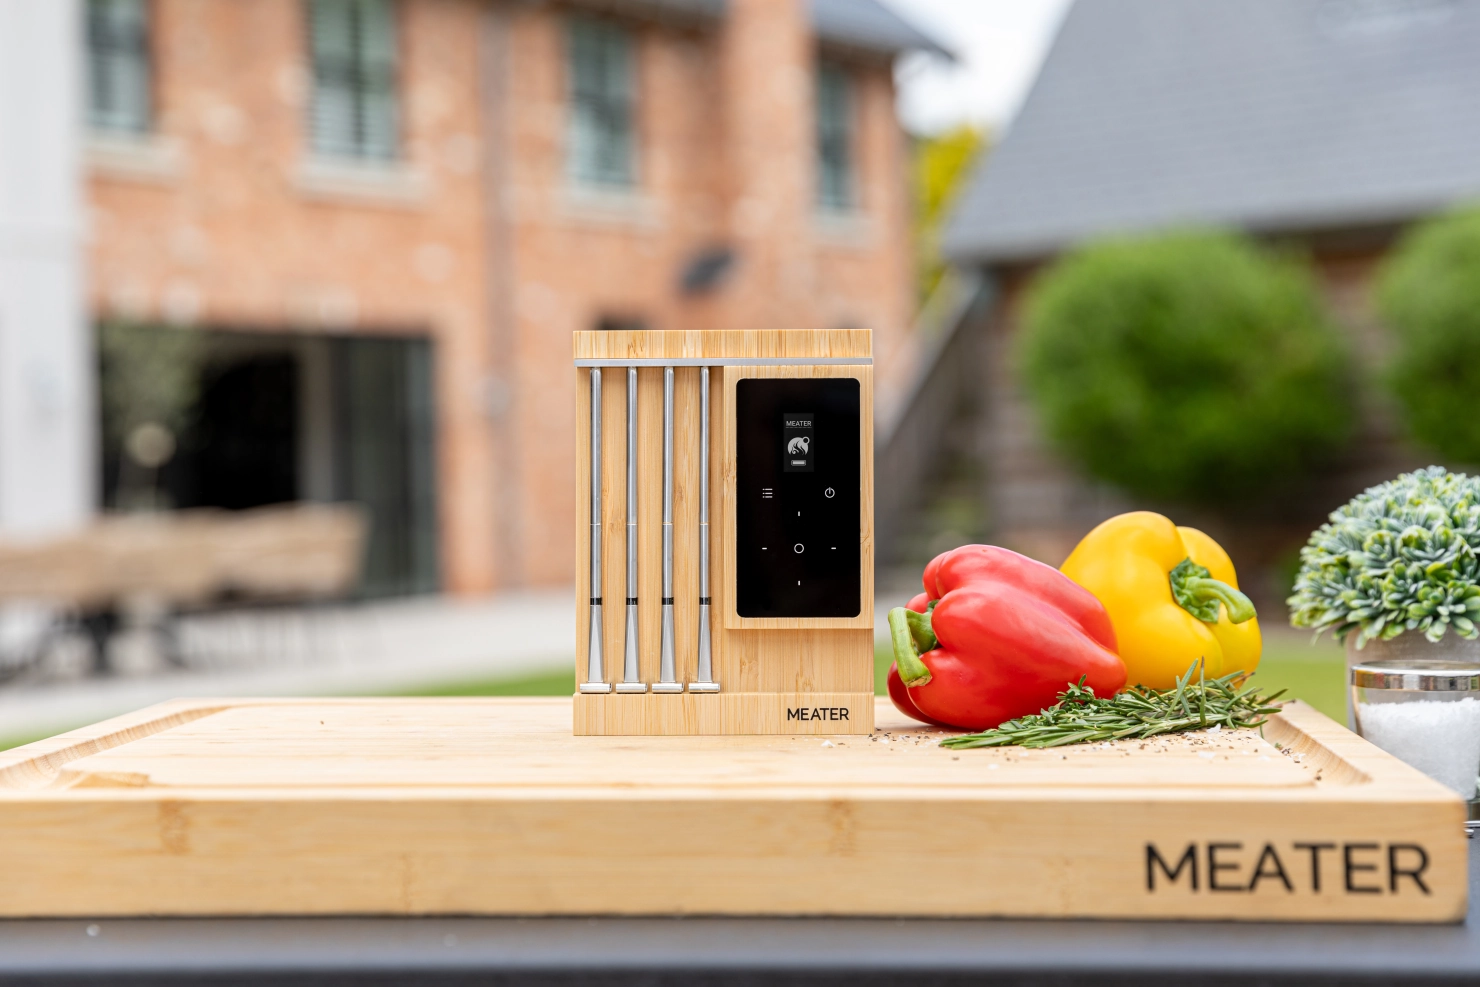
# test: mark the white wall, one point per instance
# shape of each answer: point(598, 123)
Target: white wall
point(47, 375)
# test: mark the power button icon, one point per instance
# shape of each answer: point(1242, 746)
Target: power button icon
point(829, 493)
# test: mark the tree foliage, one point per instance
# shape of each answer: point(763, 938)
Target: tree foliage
point(941, 165)
point(1429, 292)
point(1185, 366)
point(149, 374)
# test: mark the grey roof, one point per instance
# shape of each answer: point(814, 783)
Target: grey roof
point(863, 25)
point(680, 10)
point(871, 26)
point(1272, 115)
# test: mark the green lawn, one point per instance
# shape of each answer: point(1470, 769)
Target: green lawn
point(1310, 672)
point(6, 743)
point(544, 684)
point(1315, 673)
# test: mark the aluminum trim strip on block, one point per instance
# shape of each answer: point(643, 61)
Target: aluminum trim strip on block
point(750, 361)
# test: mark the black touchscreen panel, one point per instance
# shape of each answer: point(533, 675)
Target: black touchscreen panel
point(798, 485)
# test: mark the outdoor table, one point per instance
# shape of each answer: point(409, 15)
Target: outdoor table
point(713, 952)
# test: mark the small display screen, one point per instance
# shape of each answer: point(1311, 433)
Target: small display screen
point(796, 442)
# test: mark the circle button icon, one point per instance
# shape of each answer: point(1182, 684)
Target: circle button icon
point(798, 548)
point(829, 493)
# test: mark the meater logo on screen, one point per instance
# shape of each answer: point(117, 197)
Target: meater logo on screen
point(796, 439)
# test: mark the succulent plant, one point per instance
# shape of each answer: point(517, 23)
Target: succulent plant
point(1401, 556)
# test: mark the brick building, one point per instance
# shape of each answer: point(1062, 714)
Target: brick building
point(386, 217)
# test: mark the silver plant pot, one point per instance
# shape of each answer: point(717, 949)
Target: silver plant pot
point(1405, 647)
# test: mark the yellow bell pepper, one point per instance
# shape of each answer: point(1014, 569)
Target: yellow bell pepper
point(1172, 597)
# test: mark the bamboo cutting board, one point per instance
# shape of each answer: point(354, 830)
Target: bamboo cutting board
point(490, 806)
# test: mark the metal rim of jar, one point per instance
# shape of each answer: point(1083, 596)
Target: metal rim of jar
point(1417, 675)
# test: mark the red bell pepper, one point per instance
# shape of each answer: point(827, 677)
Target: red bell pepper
point(995, 636)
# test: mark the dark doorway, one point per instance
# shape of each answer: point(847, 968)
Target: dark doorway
point(241, 449)
point(269, 418)
point(384, 457)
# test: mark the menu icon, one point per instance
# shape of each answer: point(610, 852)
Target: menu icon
point(796, 442)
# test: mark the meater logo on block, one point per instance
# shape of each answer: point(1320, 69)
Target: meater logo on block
point(817, 713)
point(1315, 866)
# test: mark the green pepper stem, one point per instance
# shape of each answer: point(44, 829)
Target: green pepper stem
point(912, 671)
point(921, 630)
point(1197, 592)
point(1240, 608)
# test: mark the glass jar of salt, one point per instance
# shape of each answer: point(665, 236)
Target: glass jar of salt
point(1425, 712)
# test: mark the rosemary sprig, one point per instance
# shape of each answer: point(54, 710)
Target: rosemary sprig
point(1081, 717)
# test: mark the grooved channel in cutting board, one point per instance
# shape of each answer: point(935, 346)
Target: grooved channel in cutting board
point(43, 763)
point(328, 745)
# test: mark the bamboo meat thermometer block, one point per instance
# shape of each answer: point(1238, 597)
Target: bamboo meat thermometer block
point(725, 510)
point(491, 807)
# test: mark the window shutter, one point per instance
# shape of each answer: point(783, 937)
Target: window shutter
point(355, 112)
point(600, 141)
point(119, 97)
point(380, 117)
point(835, 178)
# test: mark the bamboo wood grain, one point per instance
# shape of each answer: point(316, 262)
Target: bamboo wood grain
point(725, 713)
point(651, 344)
point(650, 517)
point(686, 521)
point(490, 806)
point(582, 522)
point(613, 518)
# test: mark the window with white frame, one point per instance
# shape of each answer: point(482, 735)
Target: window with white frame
point(118, 73)
point(355, 111)
point(600, 140)
point(835, 136)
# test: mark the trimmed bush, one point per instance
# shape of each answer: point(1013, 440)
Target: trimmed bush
point(1429, 292)
point(1187, 366)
